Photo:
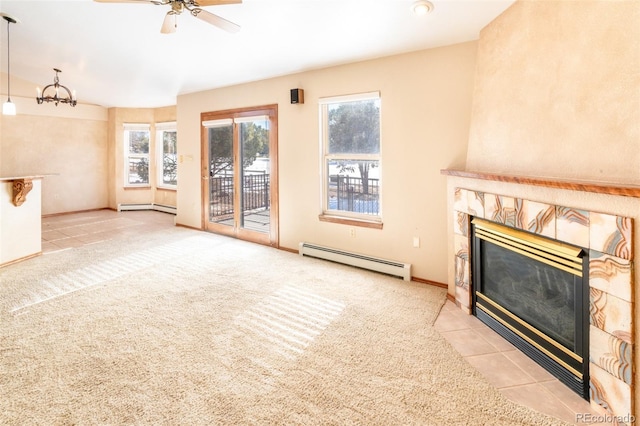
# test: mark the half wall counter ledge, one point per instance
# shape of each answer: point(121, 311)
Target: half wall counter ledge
point(20, 218)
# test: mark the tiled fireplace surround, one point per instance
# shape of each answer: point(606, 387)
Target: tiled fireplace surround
point(609, 241)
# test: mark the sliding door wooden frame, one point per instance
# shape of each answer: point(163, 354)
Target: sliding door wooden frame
point(272, 238)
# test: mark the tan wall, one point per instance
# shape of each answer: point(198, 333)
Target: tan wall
point(73, 152)
point(426, 103)
point(118, 194)
point(69, 143)
point(556, 91)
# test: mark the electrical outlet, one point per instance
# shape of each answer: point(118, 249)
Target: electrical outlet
point(416, 242)
point(352, 232)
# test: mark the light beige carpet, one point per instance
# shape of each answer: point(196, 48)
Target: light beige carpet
point(189, 328)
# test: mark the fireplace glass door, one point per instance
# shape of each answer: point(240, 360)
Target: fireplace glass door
point(539, 294)
point(531, 291)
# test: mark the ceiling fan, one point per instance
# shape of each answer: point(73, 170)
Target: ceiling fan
point(193, 7)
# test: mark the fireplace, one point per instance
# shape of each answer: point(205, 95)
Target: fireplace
point(606, 237)
point(534, 292)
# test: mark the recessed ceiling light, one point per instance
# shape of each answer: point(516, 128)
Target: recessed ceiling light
point(421, 7)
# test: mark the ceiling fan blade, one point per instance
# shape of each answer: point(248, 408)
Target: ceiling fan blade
point(216, 2)
point(170, 23)
point(217, 21)
point(124, 1)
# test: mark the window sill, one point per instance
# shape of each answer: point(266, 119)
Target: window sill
point(137, 187)
point(168, 188)
point(350, 221)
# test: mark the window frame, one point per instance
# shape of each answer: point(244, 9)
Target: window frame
point(161, 128)
point(345, 216)
point(136, 127)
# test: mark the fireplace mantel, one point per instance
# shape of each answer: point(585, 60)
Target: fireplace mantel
point(574, 185)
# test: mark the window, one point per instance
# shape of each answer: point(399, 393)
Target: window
point(167, 163)
point(136, 151)
point(350, 138)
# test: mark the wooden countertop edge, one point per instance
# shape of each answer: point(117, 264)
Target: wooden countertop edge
point(10, 178)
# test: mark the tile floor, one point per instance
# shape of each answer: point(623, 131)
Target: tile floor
point(74, 230)
point(512, 372)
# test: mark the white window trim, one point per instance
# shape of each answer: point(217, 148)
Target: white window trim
point(169, 126)
point(324, 156)
point(251, 119)
point(140, 127)
point(349, 98)
point(136, 126)
point(210, 124)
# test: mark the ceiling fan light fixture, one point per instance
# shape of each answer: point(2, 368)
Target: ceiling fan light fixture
point(421, 7)
point(170, 23)
point(194, 7)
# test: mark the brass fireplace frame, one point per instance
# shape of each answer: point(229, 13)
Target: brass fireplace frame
point(551, 252)
point(571, 366)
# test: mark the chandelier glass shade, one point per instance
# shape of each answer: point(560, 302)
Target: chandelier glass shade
point(56, 93)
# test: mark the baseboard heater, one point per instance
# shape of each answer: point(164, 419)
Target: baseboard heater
point(147, 206)
point(402, 270)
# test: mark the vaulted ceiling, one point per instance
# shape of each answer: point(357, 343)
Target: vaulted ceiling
point(113, 54)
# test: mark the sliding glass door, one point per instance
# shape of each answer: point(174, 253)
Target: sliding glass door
point(240, 173)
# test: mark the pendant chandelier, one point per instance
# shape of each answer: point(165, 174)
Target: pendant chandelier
point(51, 93)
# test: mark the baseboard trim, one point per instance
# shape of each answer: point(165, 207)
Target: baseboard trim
point(164, 208)
point(189, 227)
point(20, 259)
point(76, 211)
point(290, 250)
point(433, 283)
point(147, 206)
point(416, 279)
